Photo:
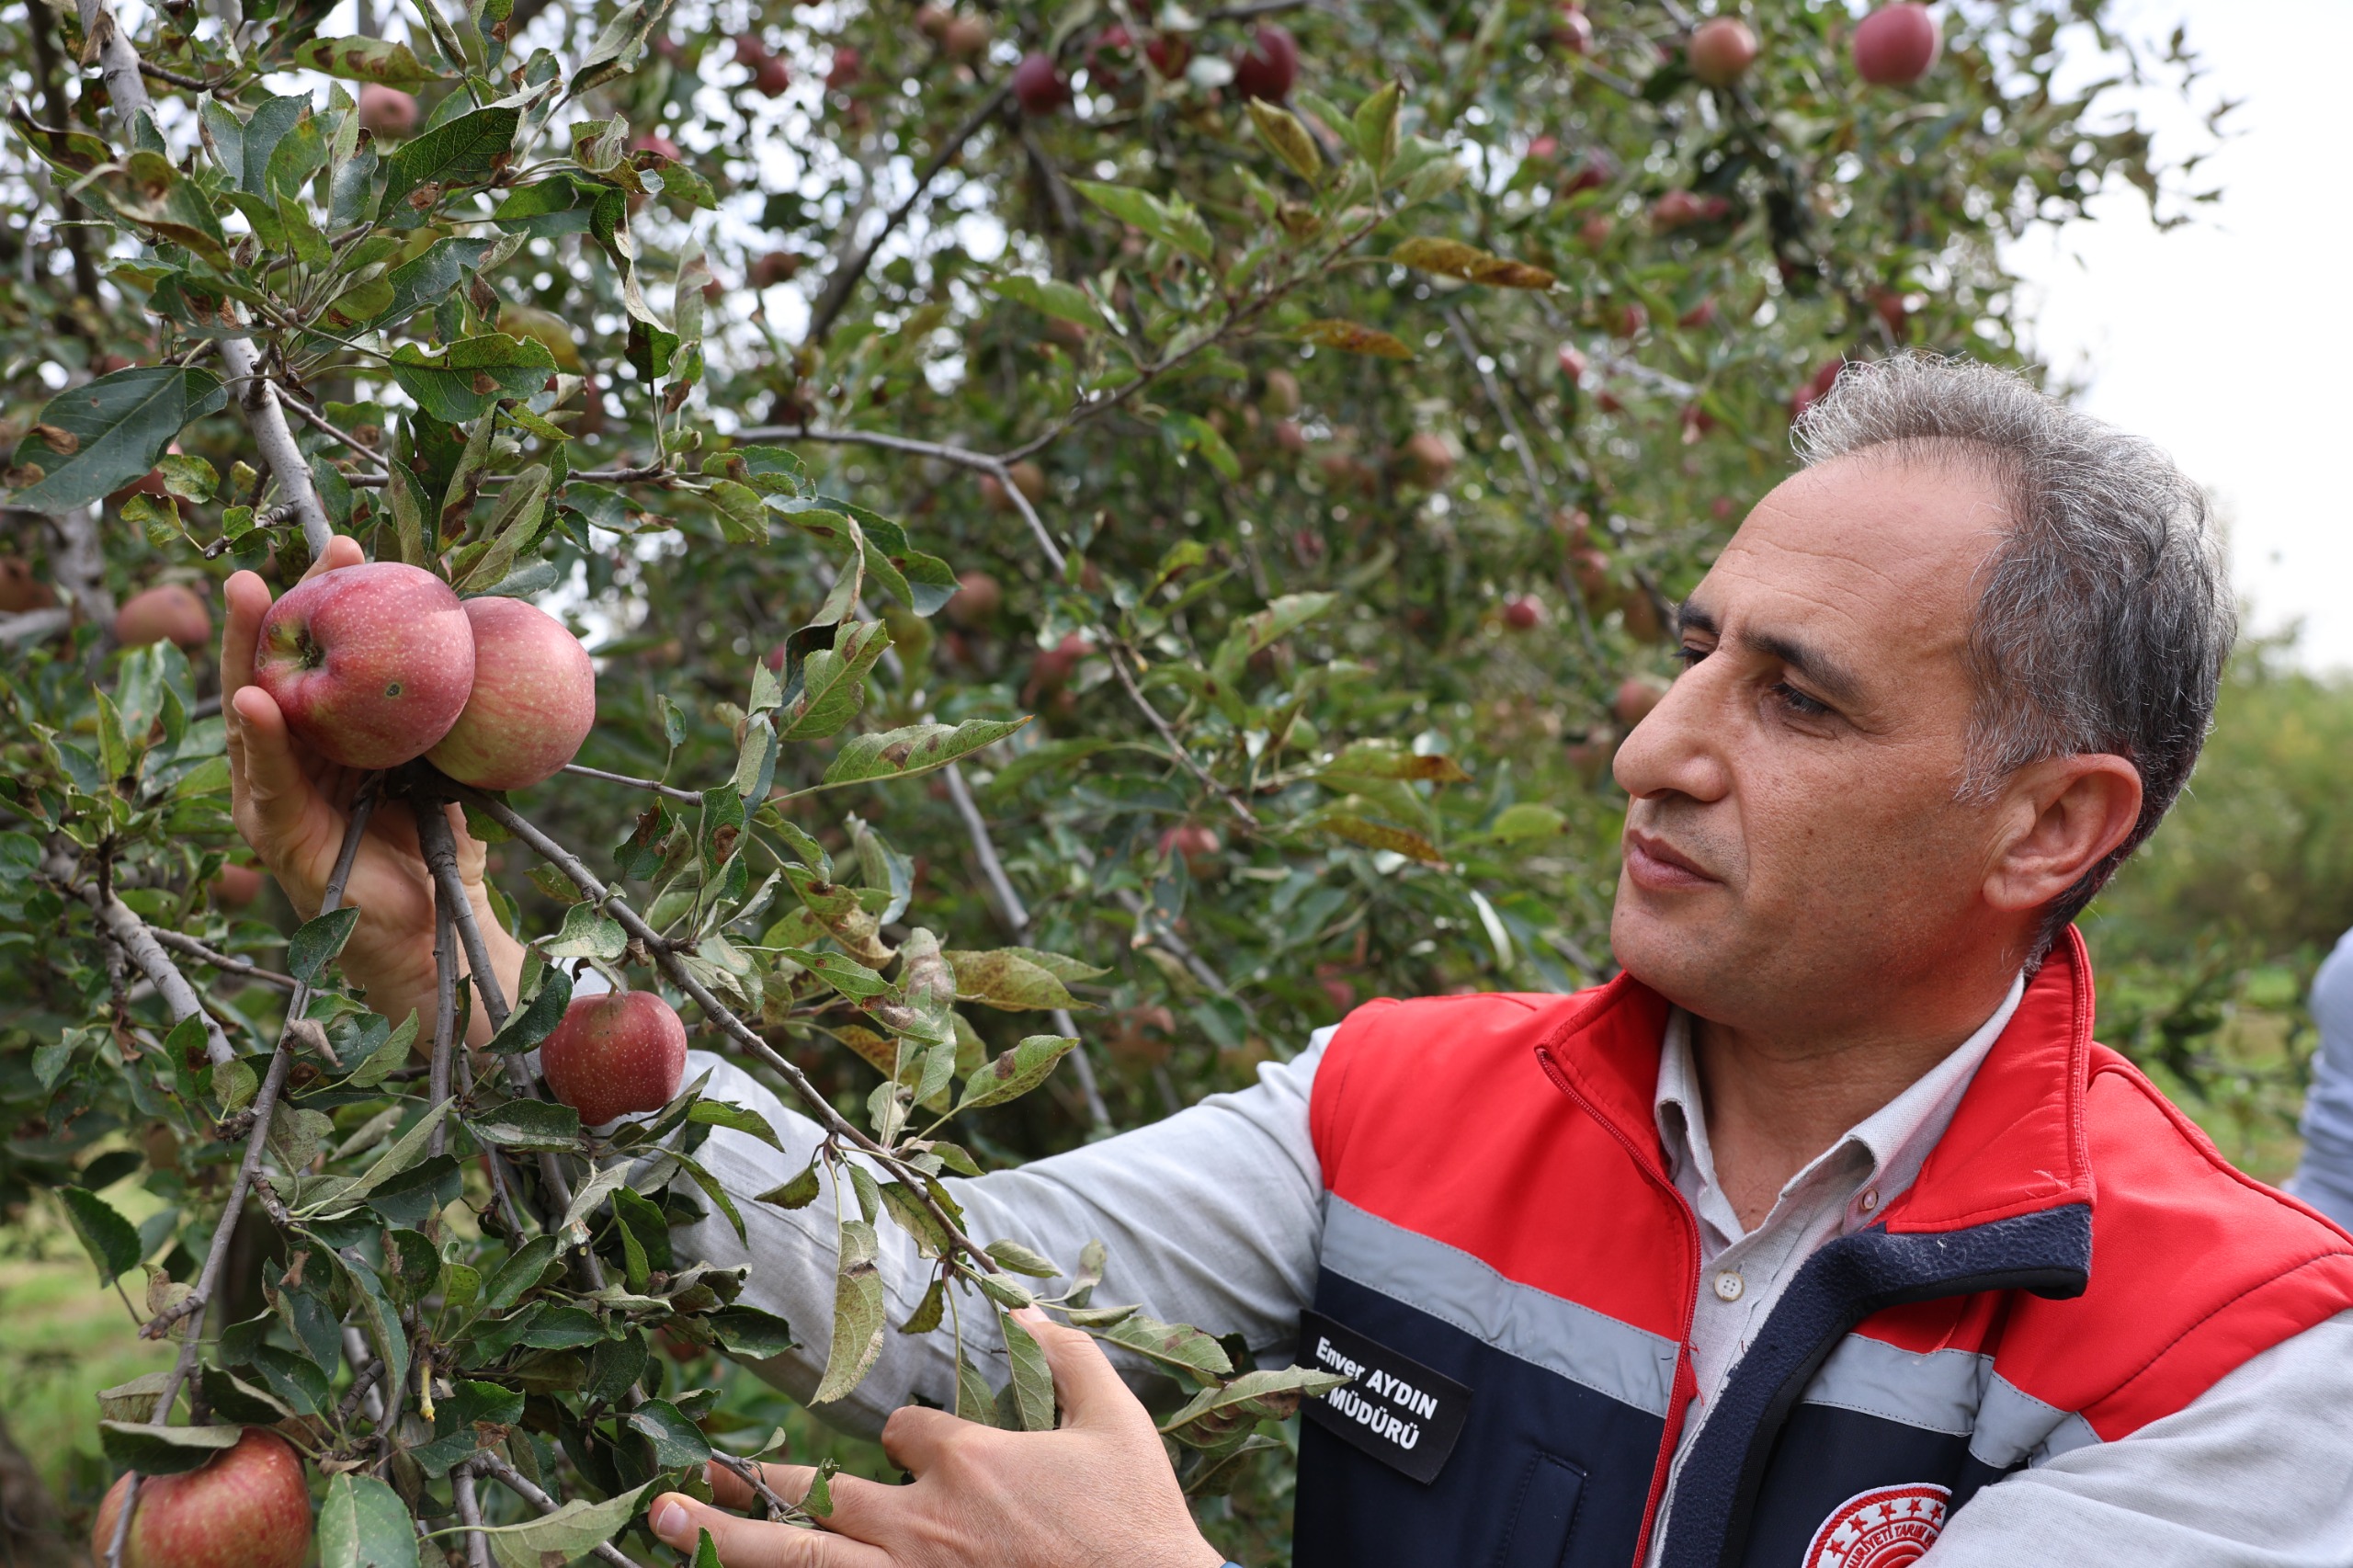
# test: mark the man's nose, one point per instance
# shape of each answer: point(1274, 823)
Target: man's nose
point(1678, 747)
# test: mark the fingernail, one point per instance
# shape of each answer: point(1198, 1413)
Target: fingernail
point(1028, 1314)
point(669, 1520)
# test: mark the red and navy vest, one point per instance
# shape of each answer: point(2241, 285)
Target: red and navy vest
point(2074, 1261)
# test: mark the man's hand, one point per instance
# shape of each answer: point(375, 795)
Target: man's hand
point(292, 806)
point(1097, 1491)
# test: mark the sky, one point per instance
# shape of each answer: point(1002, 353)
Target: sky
point(2226, 341)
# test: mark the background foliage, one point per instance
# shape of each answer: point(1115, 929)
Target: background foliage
point(1319, 485)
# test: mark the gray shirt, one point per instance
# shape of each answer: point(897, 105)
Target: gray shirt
point(1214, 1217)
point(2325, 1178)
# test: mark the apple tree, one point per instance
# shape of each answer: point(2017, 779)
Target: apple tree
point(1106, 538)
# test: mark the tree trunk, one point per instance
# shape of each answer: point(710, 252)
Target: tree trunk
point(30, 1533)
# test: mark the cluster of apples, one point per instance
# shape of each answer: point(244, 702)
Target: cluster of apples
point(378, 664)
point(1893, 47)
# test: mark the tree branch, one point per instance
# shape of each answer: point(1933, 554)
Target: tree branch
point(228, 963)
point(35, 625)
point(81, 565)
point(461, 1486)
point(266, 417)
point(445, 1011)
point(655, 785)
point(506, 1475)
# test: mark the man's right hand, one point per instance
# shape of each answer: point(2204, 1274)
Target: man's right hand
point(293, 806)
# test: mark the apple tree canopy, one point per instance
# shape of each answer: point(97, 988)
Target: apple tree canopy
point(1088, 583)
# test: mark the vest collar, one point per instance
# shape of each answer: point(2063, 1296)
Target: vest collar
point(2016, 1146)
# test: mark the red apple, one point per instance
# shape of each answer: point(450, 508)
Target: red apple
point(750, 49)
point(1895, 45)
point(1170, 54)
point(1636, 696)
point(1028, 478)
point(170, 611)
point(844, 69)
point(248, 1506)
point(772, 76)
point(1721, 51)
point(1051, 669)
point(1523, 612)
point(976, 601)
point(387, 113)
point(931, 20)
point(1195, 841)
point(1426, 458)
point(1281, 399)
point(1575, 33)
point(659, 145)
point(19, 590)
point(613, 1054)
point(234, 886)
point(964, 38)
point(1290, 437)
point(1699, 315)
point(534, 700)
point(370, 664)
point(776, 267)
point(1269, 67)
point(1038, 86)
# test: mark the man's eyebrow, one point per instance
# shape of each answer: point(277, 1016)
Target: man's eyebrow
point(1831, 678)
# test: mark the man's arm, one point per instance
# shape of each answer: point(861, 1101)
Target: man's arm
point(2257, 1473)
point(1211, 1217)
point(2325, 1180)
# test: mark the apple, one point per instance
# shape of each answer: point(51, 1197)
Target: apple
point(1282, 398)
point(1195, 841)
point(370, 664)
point(1575, 33)
point(1523, 612)
point(772, 76)
point(19, 590)
point(1426, 458)
point(623, 1051)
point(964, 38)
point(387, 113)
point(1028, 478)
point(534, 700)
point(1635, 696)
point(1591, 569)
point(751, 49)
point(1594, 231)
point(976, 601)
point(1290, 437)
point(1269, 67)
point(1170, 54)
point(234, 886)
point(776, 267)
point(248, 1506)
point(1039, 87)
point(847, 65)
point(1642, 622)
point(1721, 51)
point(1591, 173)
point(1699, 315)
point(168, 612)
point(1051, 669)
point(1629, 319)
point(661, 146)
point(931, 20)
point(1895, 45)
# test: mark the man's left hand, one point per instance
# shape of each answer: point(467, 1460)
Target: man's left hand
point(1097, 1489)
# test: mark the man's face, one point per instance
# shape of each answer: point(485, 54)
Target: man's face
point(1793, 844)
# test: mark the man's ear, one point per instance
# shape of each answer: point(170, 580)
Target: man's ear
point(2063, 816)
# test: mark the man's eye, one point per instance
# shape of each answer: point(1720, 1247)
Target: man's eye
point(1799, 702)
point(1688, 656)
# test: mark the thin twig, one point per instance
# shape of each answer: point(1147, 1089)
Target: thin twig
point(755, 1477)
point(461, 1486)
point(445, 1011)
point(1015, 916)
point(228, 963)
point(506, 1475)
point(654, 786)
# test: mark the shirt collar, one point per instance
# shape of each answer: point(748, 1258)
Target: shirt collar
point(1891, 1145)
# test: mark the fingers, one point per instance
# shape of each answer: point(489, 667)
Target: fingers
point(755, 1543)
point(247, 597)
point(914, 1437)
point(1085, 1379)
point(276, 804)
point(341, 550)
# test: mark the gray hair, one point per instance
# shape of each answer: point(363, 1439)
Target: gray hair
point(2104, 617)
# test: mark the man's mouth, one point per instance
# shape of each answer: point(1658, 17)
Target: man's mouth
point(1653, 863)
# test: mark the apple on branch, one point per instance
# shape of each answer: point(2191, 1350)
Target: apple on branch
point(248, 1506)
point(614, 1054)
point(533, 700)
point(370, 664)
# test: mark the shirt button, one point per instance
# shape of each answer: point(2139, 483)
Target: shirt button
point(1870, 1199)
point(1729, 1285)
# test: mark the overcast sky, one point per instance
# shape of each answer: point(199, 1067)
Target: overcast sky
point(2229, 341)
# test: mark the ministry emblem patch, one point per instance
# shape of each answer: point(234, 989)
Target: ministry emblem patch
point(1887, 1527)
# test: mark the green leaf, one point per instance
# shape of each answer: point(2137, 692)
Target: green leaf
point(1269, 1395)
point(1021, 1260)
point(1172, 220)
point(1050, 296)
point(527, 1124)
point(1375, 125)
point(1008, 979)
point(531, 1024)
point(574, 1530)
point(858, 1313)
point(429, 279)
point(364, 1524)
point(678, 1444)
point(1525, 819)
point(832, 682)
point(1015, 1073)
point(736, 1119)
point(751, 1334)
point(98, 437)
point(462, 151)
point(316, 942)
point(1349, 338)
point(366, 60)
point(1033, 1380)
point(1281, 132)
point(798, 1193)
point(463, 382)
point(112, 1240)
point(165, 1451)
point(1172, 1343)
point(975, 1399)
point(520, 1273)
point(917, 748)
point(588, 933)
point(392, 1053)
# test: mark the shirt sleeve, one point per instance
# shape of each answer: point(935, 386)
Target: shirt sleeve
point(1212, 1217)
point(2257, 1473)
point(2325, 1180)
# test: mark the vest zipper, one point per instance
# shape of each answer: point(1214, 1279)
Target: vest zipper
point(1686, 1386)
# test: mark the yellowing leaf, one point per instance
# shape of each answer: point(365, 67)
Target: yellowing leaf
point(1349, 338)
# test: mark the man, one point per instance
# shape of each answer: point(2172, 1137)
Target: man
point(1824, 1235)
point(2324, 1179)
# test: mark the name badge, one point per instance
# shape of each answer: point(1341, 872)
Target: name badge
point(1402, 1413)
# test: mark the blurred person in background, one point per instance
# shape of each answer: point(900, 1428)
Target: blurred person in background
point(2325, 1180)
